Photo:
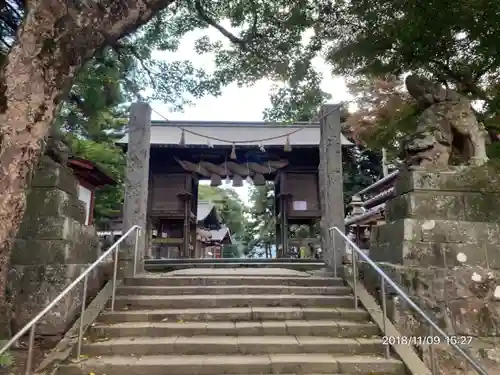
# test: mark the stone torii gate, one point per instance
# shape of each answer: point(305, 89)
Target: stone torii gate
point(326, 136)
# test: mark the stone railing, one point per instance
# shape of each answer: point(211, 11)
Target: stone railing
point(367, 209)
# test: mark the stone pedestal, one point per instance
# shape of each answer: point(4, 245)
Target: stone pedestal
point(442, 244)
point(52, 248)
point(441, 219)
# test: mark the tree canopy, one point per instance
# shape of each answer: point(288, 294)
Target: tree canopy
point(377, 42)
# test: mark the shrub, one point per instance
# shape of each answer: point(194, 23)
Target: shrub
point(6, 359)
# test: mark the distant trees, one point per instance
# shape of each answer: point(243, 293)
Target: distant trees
point(260, 229)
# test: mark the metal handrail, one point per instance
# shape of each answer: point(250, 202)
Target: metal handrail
point(84, 276)
point(386, 279)
point(377, 184)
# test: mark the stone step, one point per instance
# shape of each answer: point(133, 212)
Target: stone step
point(230, 300)
point(302, 364)
point(245, 265)
point(236, 314)
point(232, 289)
point(257, 261)
point(335, 328)
point(225, 345)
point(162, 280)
point(166, 266)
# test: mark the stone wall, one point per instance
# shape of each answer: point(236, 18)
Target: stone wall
point(441, 243)
point(52, 248)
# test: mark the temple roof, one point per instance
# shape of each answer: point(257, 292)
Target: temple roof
point(207, 215)
point(198, 133)
point(90, 172)
point(219, 235)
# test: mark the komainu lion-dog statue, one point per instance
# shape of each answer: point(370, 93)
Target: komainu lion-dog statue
point(447, 125)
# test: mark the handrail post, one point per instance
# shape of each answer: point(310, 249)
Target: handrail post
point(31, 344)
point(115, 271)
point(332, 234)
point(432, 355)
point(82, 313)
point(354, 276)
point(384, 313)
point(136, 250)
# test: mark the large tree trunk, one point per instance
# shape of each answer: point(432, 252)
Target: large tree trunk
point(54, 42)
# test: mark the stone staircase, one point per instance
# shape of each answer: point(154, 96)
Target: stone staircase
point(246, 323)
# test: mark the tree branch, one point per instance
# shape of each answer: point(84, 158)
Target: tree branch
point(483, 71)
point(212, 22)
point(467, 84)
point(120, 47)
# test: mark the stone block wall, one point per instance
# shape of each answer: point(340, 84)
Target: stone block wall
point(441, 243)
point(53, 247)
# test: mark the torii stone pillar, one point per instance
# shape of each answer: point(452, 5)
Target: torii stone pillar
point(330, 180)
point(136, 184)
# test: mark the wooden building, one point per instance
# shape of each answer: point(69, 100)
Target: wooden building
point(207, 223)
point(182, 153)
point(90, 178)
point(215, 245)
point(210, 235)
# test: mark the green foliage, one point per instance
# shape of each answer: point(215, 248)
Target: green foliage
point(94, 108)
point(262, 40)
point(261, 224)
point(109, 157)
point(361, 168)
point(6, 359)
point(231, 251)
point(298, 101)
point(455, 42)
point(452, 42)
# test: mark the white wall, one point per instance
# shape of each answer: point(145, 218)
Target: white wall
point(85, 196)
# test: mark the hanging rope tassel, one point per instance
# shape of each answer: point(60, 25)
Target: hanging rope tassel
point(215, 180)
point(233, 152)
point(259, 180)
point(182, 142)
point(237, 181)
point(249, 177)
point(288, 146)
point(228, 180)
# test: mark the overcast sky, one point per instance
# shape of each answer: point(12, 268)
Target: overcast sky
point(235, 104)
